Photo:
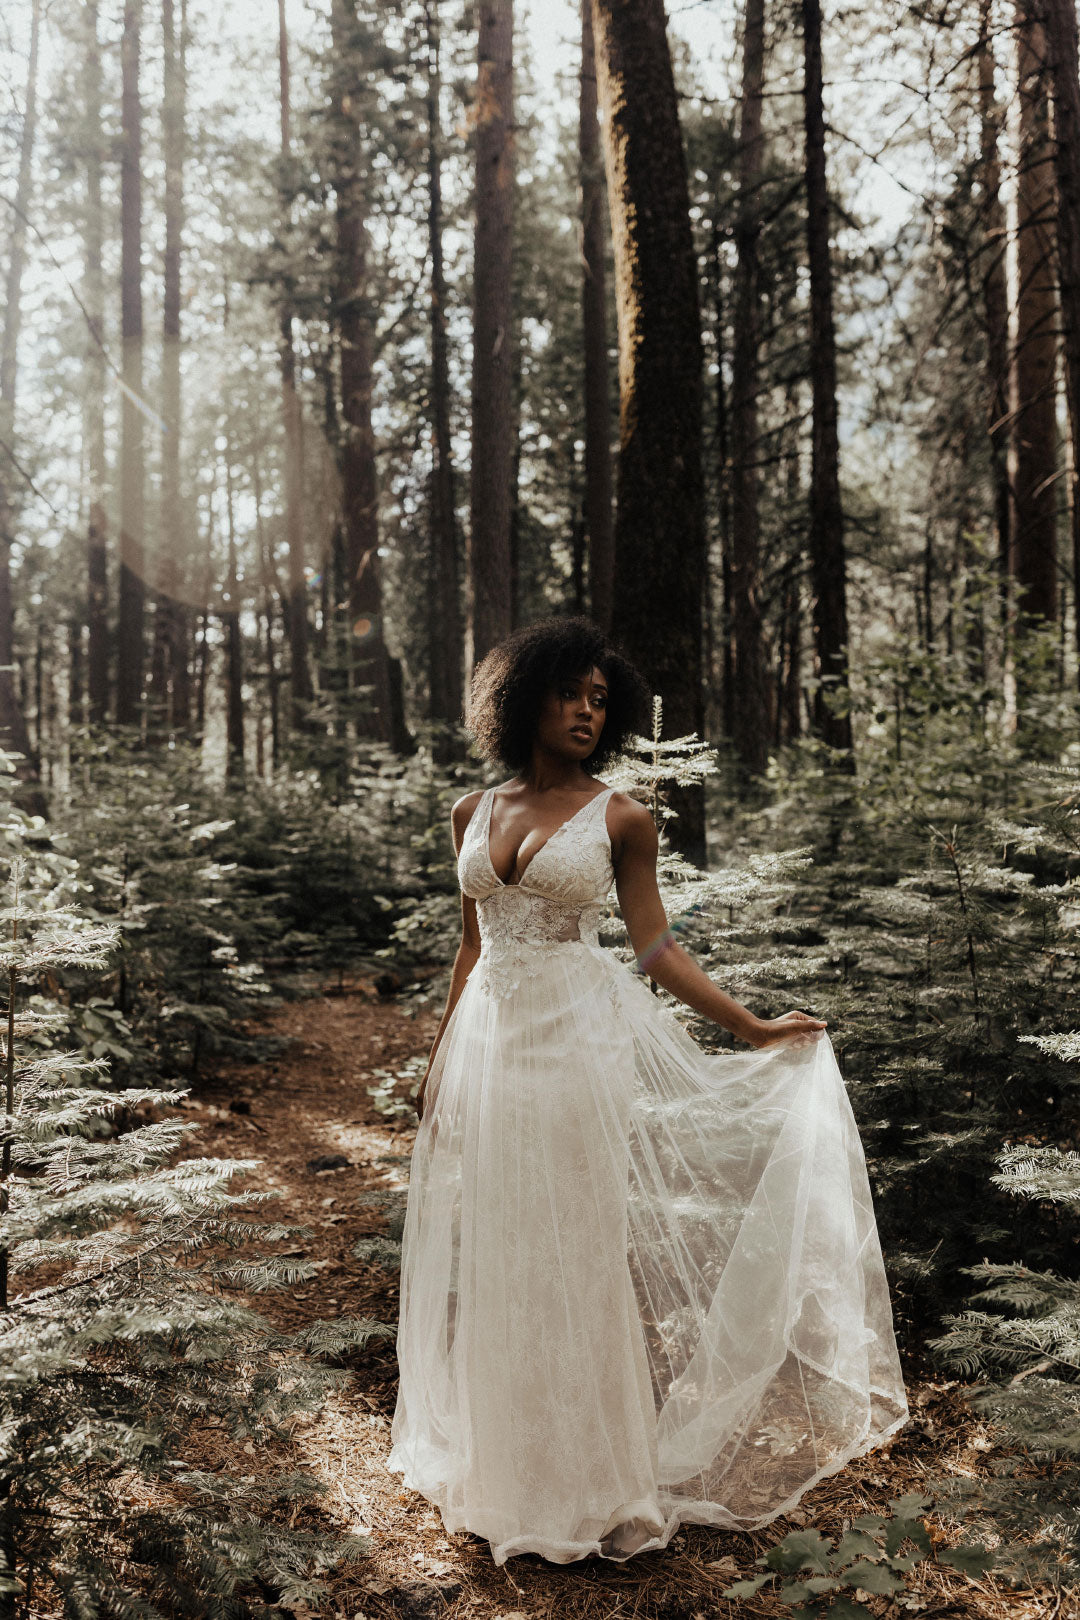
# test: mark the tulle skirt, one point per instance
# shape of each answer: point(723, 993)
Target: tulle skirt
point(641, 1284)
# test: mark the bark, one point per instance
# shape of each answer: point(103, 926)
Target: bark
point(234, 646)
point(267, 581)
point(489, 599)
point(994, 289)
point(1064, 52)
point(14, 735)
point(599, 517)
point(1033, 386)
point(791, 688)
point(130, 652)
point(366, 638)
point(296, 619)
point(170, 682)
point(97, 584)
point(724, 677)
point(76, 713)
point(660, 522)
point(445, 633)
point(751, 732)
point(828, 570)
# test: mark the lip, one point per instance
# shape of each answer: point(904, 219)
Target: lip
point(584, 732)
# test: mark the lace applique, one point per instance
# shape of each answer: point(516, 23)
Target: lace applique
point(517, 931)
point(556, 906)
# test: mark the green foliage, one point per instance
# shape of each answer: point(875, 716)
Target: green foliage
point(223, 899)
point(875, 1557)
point(1023, 1346)
point(129, 1345)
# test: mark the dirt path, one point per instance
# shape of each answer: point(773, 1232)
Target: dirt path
point(312, 1104)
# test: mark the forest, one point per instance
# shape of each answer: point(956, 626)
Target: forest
point(337, 341)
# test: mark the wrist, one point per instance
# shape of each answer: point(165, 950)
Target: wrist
point(748, 1028)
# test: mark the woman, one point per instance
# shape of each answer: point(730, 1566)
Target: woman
point(641, 1284)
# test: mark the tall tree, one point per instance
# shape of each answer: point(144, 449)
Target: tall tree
point(994, 290)
point(828, 567)
point(234, 642)
point(300, 684)
point(1061, 38)
point(493, 416)
point(170, 682)
point(599, 517)
point(751, 727)
point(14, 735)
point(360, 508)
point(445, 634)
point(130, 652)
point(97, 579)
point(1033, 388)
point(660, 521)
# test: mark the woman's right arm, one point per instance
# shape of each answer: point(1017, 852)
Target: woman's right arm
point(469, 949)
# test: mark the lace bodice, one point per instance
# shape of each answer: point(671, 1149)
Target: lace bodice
point(557, 902)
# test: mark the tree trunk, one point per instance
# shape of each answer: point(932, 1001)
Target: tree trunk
point(599, 518)
point(792, 692)
point(14, 735)
point(995, 294)
point(130, 654)
point(170, 683)
point(445, 633)
point(267, 581)
point(234, 646)
point(660, 523)
point(827, 561)
point(1033, 386)
point(751, 734)
point(97, 582)
point(301, 689)
point(490, 610)
point(722, 677)
point(366, 637)
point(1061, 39)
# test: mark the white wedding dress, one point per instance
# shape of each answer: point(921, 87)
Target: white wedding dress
point(641, 1284)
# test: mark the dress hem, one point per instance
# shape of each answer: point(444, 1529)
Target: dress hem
point(689, 1512)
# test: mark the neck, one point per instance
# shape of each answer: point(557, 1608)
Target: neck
point(547, 770)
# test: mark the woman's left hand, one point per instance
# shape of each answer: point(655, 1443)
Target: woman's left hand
point(766, 1031)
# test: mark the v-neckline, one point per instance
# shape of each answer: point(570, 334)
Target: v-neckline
point(562, 825)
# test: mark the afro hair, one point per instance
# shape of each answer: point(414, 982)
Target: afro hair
point(510, 684)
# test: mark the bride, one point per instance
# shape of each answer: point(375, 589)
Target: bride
point(641, 1284)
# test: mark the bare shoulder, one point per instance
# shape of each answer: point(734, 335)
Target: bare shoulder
point(462, 813)
point(631, 826)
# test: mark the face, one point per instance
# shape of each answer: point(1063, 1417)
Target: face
point(572, 715)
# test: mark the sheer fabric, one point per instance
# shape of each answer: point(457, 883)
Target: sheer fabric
point(641, 1284)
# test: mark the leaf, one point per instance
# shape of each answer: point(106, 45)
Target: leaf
point(911, 1505)
point(806, 1591)
point(746, 1589)
point(973, 1561)
point(854, 1544)
point(905, 1563)
point(876, 1578)
point(845, 1608)
point(798, 1550)
point(899, 1530)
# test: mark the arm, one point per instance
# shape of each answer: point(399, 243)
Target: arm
point(469, 949)
point(635, 846)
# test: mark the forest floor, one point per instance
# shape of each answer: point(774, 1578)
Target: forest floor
point(312, 1103)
